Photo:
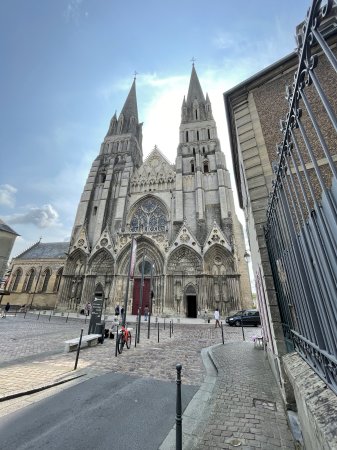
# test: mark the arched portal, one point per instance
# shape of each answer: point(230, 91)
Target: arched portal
point(191, 301)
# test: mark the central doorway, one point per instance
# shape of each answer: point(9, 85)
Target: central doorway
point(191, 302)
point(136, 295)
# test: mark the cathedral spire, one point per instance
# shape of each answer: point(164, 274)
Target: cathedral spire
point(130, 108)
point(194, 90)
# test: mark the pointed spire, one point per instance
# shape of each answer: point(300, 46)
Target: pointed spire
point(130, 108)
point(194, 90)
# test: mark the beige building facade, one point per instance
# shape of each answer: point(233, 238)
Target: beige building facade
point(36, 275)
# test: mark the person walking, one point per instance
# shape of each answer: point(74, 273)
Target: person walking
point(117, 311)
point(217, 318)
point(7, 308)
point(146, 312)
point(88, 308)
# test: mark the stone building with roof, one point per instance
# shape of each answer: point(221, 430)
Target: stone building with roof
point(181, 215)
point(7, 239)
point(36, 275)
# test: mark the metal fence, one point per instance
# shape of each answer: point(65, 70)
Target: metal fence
point(301, 230)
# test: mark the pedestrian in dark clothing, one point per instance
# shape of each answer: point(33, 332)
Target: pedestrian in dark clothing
point(122, 313)
point(117, 310)
point(146, 312)
point(7, 308)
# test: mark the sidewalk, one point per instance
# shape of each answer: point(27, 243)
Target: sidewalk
point(247, 408)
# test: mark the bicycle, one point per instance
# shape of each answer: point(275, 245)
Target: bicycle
point(124, 338)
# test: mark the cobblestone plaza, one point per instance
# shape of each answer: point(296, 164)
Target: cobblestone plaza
point(245, 405)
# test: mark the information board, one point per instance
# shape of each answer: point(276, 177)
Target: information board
point(96, 314)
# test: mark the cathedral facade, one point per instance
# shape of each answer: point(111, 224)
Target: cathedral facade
point(190, 243)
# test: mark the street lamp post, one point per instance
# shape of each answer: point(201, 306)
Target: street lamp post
point(141, 298)
point(247, 258)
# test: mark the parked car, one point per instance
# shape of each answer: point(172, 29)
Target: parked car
point(248, 317)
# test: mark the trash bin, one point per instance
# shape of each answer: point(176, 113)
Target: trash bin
point(99, 329)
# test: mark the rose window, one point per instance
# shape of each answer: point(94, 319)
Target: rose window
point(149, 217)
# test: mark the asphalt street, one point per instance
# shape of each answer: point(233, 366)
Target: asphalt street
point(113, 411)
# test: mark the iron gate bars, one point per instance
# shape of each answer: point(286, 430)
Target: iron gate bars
point(301, 229)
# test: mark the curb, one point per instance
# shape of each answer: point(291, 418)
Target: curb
point(199, 408)
point(38, 389)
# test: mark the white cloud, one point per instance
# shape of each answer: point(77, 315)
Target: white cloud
point(73, 11)
point(7, 195)
point(43, 217)
point(223, 40)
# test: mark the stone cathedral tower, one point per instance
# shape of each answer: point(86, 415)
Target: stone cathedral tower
point(181, 215)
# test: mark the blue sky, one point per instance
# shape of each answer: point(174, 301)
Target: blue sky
point(68, 65)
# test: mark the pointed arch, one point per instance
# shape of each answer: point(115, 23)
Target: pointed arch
point(58, 280)
point(190, 289)
point(184, 260)
point(16, 279)
point(76, 263)
point(99, 291)
point(45, 279)
point(148, 215)
point(101, 263)
point(144, 245)
point(29, 279)
point(218, 261)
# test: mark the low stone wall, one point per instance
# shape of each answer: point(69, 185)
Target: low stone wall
point(316, 404)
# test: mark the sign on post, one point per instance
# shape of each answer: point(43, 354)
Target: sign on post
point(96, 314)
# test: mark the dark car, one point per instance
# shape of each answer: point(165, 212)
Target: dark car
point(248, 317)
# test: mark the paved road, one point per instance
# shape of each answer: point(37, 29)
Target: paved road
point(224, 407)
point(110, 411)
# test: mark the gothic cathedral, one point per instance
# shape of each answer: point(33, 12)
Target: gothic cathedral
point(189, 240)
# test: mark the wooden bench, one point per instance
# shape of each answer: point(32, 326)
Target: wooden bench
point(90, 339)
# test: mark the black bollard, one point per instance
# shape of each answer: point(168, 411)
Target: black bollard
point(164, 323)
point(136, 334)
point(170, 329)
point(223, 341)
point(179, 435)
point(67, 318)
point(78, 349)
point(158, 331)
point(172, 326)
point(116, 348)
point(243, 333)
point(50, 315)
point(148, 326)
point(38, 316)
point(25, 314)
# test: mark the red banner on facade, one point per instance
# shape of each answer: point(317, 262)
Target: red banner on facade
point(133, 257)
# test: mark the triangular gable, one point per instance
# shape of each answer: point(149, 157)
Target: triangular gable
point(155, 164)
point(216, 236)
point(185, 237)
point(105, 241)
point(81, 241)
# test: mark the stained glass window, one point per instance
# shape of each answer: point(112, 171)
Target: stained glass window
point(149, 217)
